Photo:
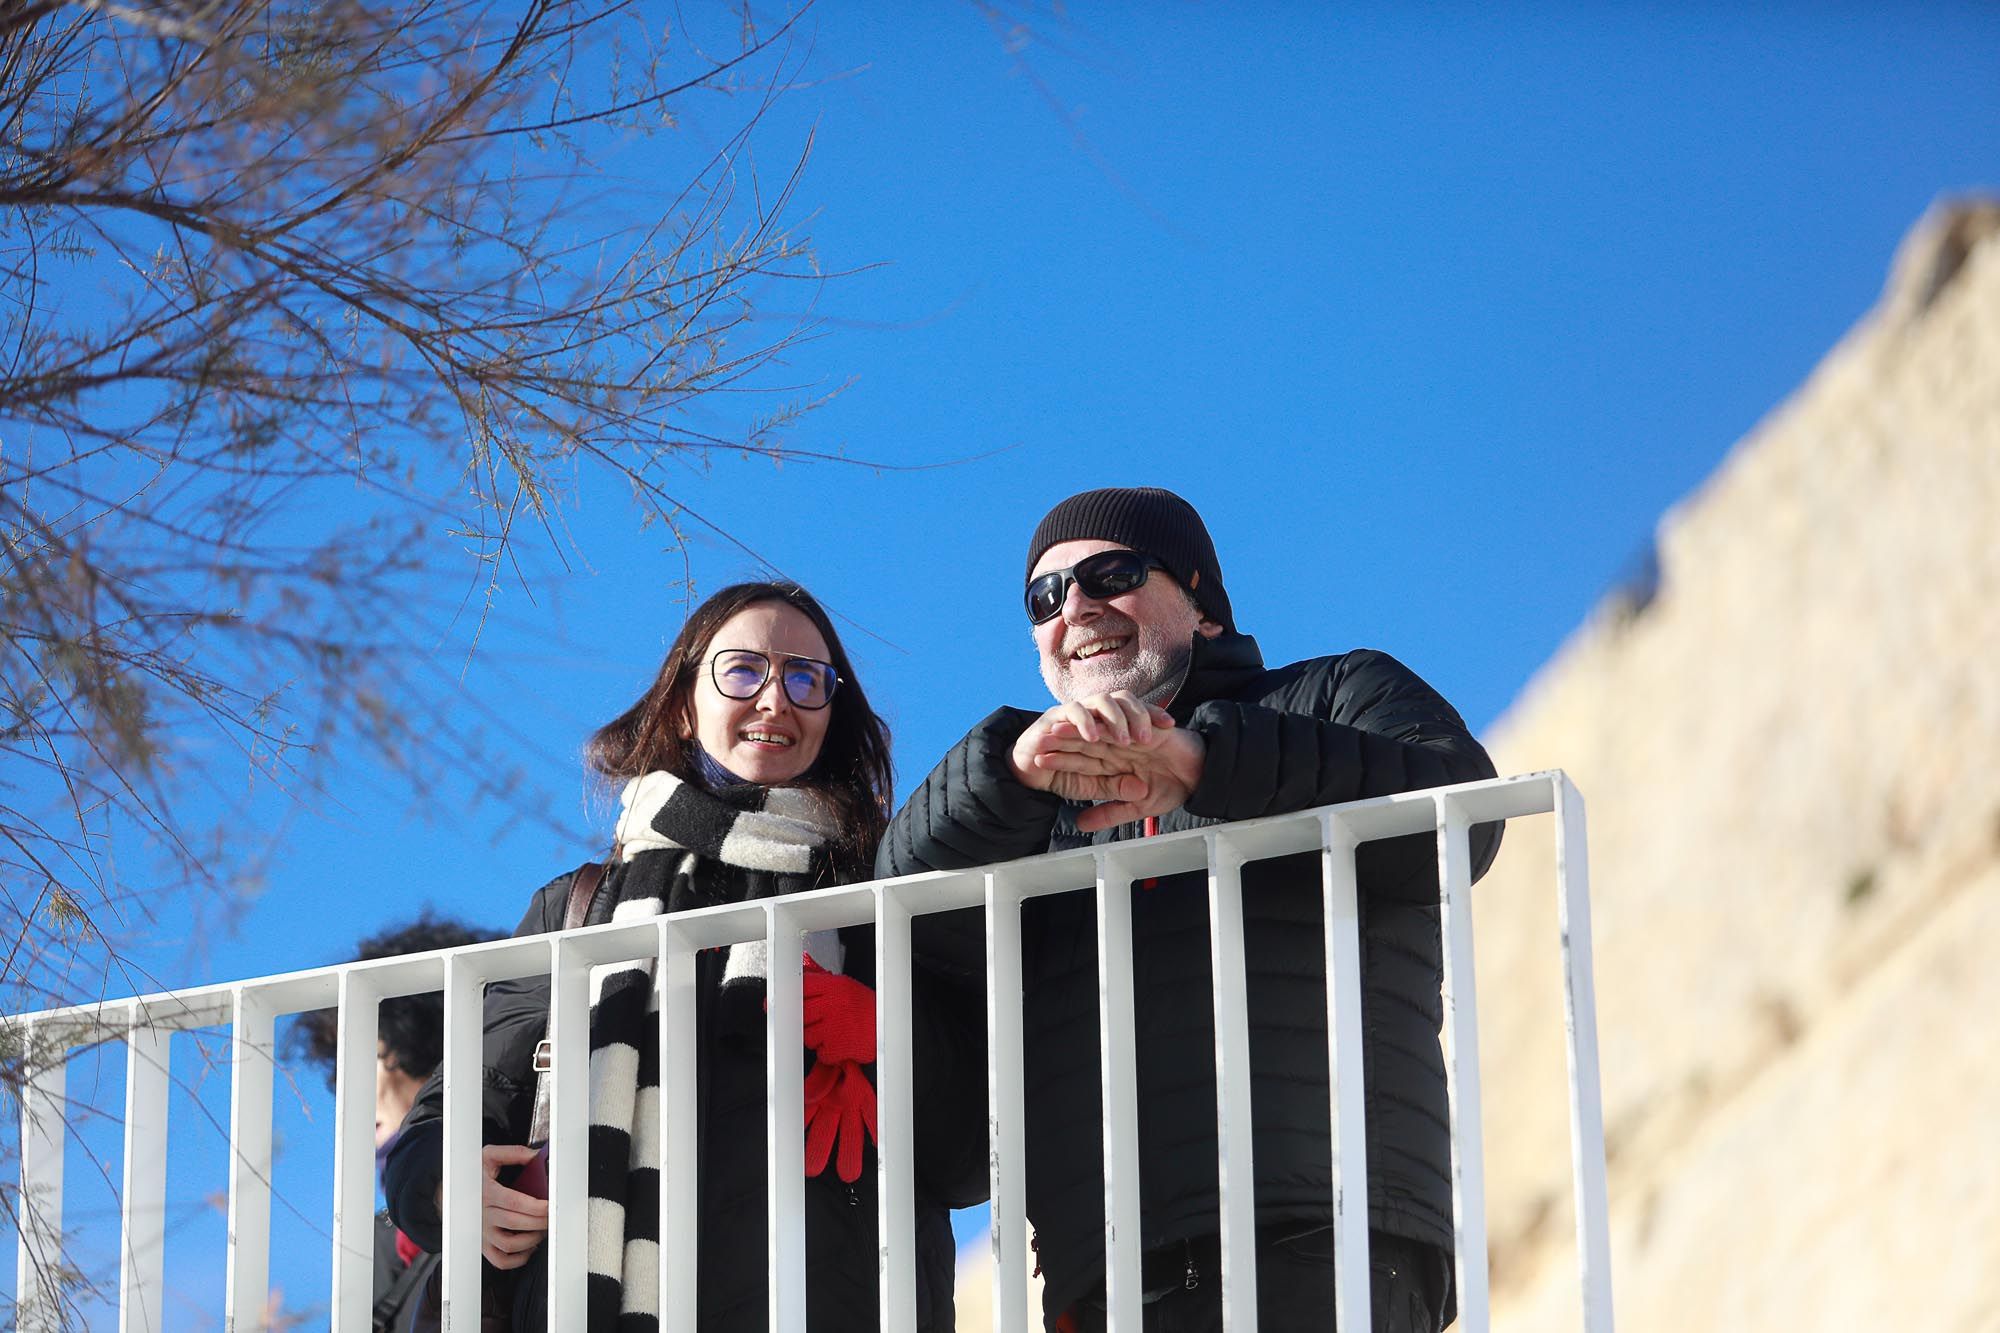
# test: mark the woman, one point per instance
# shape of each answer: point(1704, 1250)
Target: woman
point(753, 766)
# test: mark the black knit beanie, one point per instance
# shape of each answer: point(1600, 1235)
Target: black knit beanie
point(1147, 519)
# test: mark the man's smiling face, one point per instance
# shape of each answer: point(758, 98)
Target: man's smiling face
point(1138, 641)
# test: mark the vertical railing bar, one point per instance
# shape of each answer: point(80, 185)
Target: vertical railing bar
point(1006, 1105)
point(1235, 1169)
point(354, 1158)
point(894, 1102)
point(143, 1201)
point(784, 1036)
point(464, 1060)
point(44, 1098)
point(1468, 1157)
point(252, 1057)
point(569, 1137)
point(1347, 1094)
point(679, 1233)
point(1586, 1104)
point(1118, 1075)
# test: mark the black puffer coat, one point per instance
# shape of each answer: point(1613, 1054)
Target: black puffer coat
point(1313, 733)
point(841, 1259)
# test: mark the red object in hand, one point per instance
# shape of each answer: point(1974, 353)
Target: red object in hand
point(840, 1108)
point(840, 1017)
point(533, 1177)
point(406, 1249)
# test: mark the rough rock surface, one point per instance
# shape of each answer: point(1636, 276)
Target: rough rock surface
point(1789, 749)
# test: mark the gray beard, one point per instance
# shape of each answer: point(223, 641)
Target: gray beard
point(1171, 680)
point(1158, 686)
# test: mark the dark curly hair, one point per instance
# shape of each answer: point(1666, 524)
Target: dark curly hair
point(410, 1027)
point(852, 774)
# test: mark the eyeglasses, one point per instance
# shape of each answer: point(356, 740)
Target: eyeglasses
point(740, 673)
point(1106, 574)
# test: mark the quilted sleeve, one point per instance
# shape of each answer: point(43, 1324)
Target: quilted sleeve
point(1380, 730)
point(971, 811)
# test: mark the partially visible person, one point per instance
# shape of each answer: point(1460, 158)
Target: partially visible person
point(751, 767)
point(409, 1047)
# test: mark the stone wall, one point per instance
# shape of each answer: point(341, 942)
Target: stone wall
point(1789, 751)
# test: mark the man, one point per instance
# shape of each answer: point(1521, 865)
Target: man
point(409, 1045)
point(1168, 719)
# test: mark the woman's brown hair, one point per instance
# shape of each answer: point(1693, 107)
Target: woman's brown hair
point(852, 774)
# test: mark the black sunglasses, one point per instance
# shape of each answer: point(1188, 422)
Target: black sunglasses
point(741, 673)
point(1106, 574)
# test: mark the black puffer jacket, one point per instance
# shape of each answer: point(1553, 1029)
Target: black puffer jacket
point(841, 1259)
point(1313, 733)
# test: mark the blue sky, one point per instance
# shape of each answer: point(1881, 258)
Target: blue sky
point(1432, 311)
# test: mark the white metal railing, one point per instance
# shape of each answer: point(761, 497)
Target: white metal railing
point(251, 1008)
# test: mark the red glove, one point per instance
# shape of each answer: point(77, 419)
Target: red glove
point(840, 1104)
point(840, 1017)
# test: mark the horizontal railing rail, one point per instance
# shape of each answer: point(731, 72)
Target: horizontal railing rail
point(250, 1010)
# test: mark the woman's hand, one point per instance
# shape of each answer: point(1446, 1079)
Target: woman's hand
point(512, 1224)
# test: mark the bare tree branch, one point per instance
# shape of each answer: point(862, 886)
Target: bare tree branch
point(305, 300)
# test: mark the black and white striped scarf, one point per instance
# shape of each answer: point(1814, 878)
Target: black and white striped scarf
point(680, 846)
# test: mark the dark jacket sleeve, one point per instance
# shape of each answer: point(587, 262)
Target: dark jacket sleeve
point(948, 1041)
point(516, 1017)
point(970, 811)
point(1380, 730)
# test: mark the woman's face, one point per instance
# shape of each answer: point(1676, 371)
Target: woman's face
point(766, 739)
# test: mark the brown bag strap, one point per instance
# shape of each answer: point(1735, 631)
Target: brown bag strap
point(582, 892)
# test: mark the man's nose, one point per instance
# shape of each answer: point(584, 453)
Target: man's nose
point(1079, 606)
